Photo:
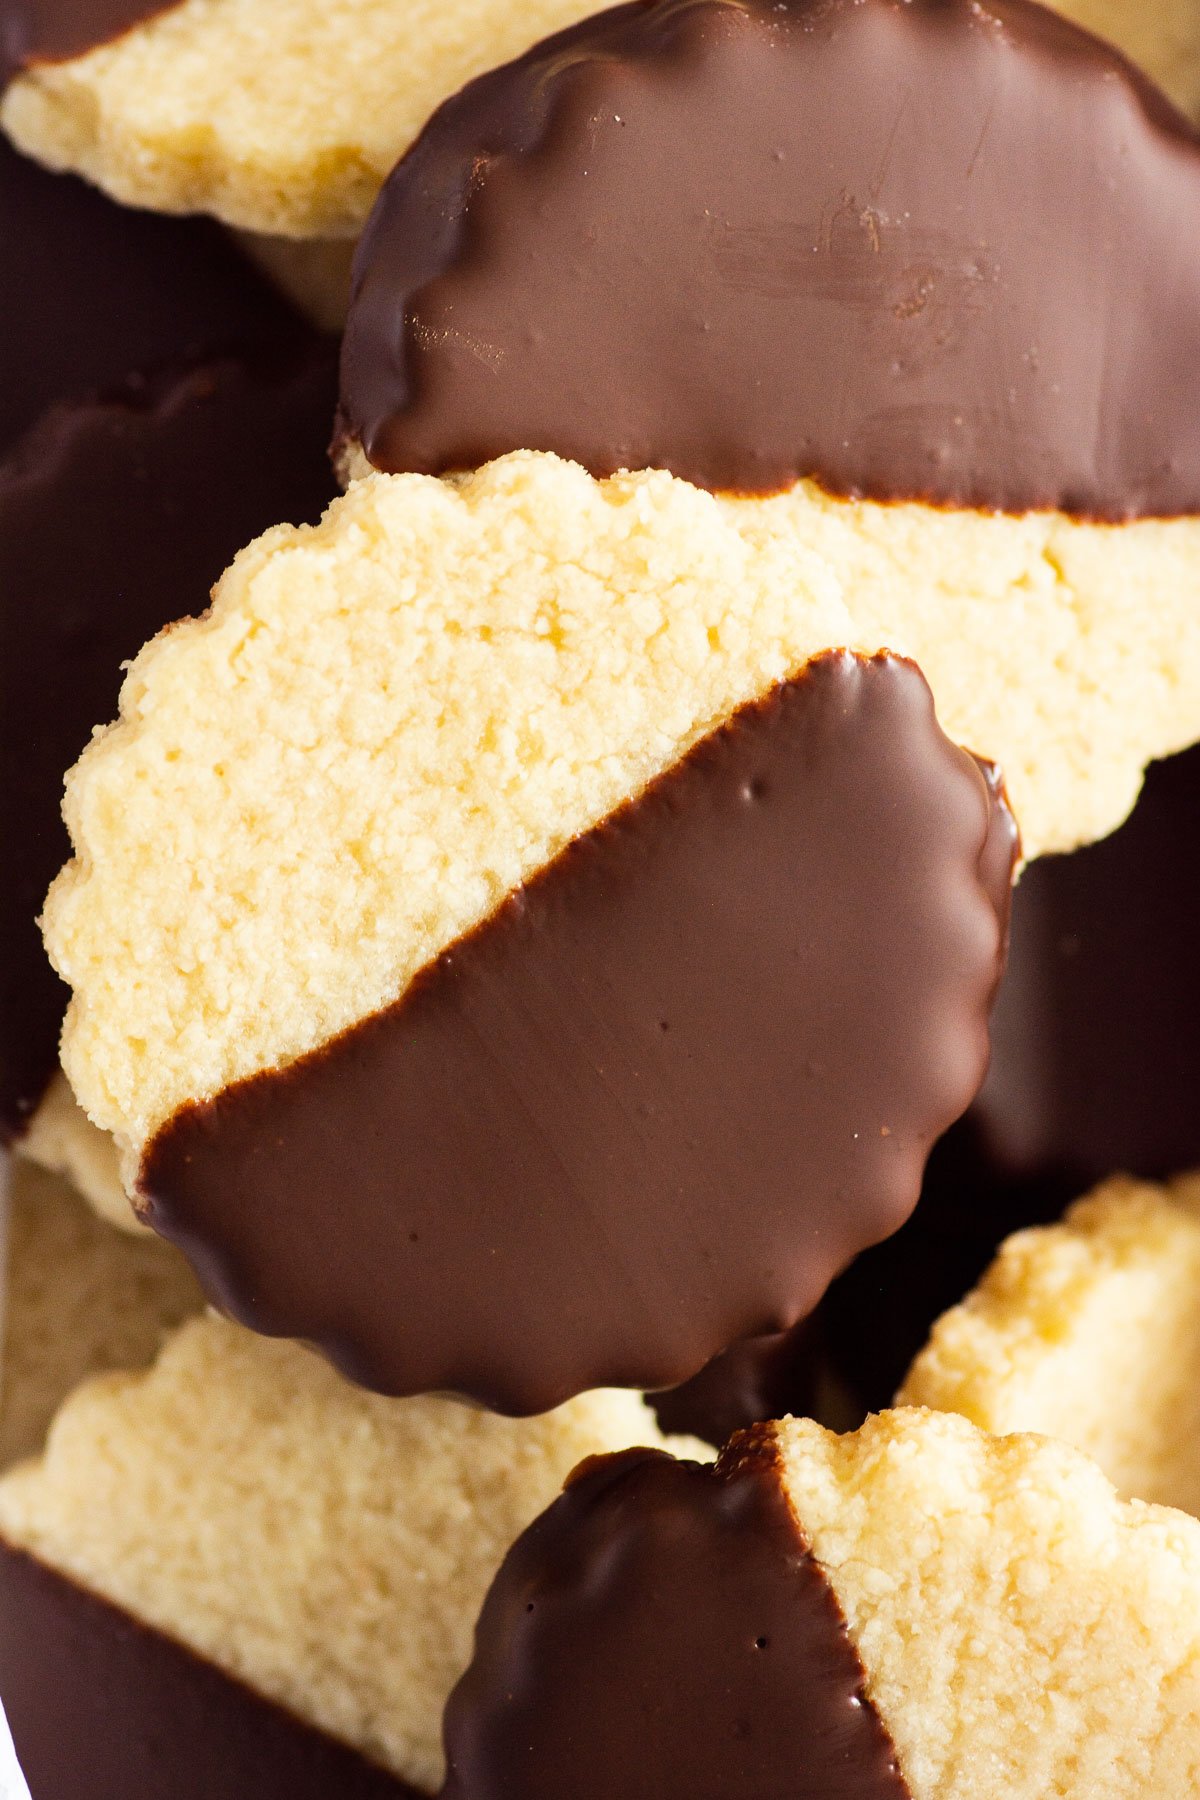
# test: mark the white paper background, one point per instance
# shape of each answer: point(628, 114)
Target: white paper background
point(12, 1784)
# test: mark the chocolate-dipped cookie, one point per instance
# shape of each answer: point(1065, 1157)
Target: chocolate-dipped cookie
point(769, 249)
point(914, 1612)
point(283, 117)
point(236, 1575)
point(1088, 1331)
point(158, 408)
point(539, 1008)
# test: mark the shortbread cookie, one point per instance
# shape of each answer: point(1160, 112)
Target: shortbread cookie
point(1095, 1067)
point(573, 258)
point(277, 116)
point(915, 1612)
point(284, 117)
point(1088, 1331)
point(81, 1298)
point(118, 510)
point(62, 1140)
point(499, 797)
point(237, 1575)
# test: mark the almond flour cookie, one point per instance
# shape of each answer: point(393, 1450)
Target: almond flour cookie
point(468, 782)
point(80, 1298)
point(276, 116)
point(572, 259)
point(282, 117)
point(156, 411)
point(1088, 1331)
point(277, 1574)
point(914, 1612)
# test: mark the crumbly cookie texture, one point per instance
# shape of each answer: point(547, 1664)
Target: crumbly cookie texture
point(81, 1298)
point(329, 1548)
point(1088, 1331)
point(283, 116)
point(1025, 1633)
point(62, 1139)
point(277, 116)
point(389, 721)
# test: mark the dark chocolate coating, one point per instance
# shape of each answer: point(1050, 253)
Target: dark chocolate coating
point(922, 250)
point(664, 1632)
point(762, 1378)
point(91, 293)
point(102, 1707)
point(658, 1099)
point(1095, 1069)
point(54, 31)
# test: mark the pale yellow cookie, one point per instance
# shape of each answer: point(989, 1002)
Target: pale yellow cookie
point(388, 722)
point(81, 1298)
point(1025, 1633)
point(276, 116)
point(62, 1139)
point(1088, 1331)
point(328, 1548)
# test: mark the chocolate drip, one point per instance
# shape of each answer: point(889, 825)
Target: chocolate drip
point(91, 293)
point(914, 251)
point(116, 518)
point(55, 31)
point(763, 1378)
point(1095, 1069)
point(658, 1099)
point(103, 1707)
point(664, 1632)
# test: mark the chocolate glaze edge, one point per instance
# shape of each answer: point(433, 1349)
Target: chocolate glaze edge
point(103, 1706)
point(36, 32)
point(472, 1106)
point(505, 296)
point(663, 1632)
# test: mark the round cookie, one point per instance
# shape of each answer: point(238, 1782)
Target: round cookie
point(81, 1298)
point(277, 1573)
point(283, 118)
point(1087, 1331)
point(915, 1612)
point(512, 904)
point(164, 369)
point(957, 337)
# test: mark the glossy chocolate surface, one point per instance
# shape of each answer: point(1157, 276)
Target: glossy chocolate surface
point(118, 514)
point(663, 1632)
point(928, 250)
point(102, 1707)
point(658, 1099)
point(55, 31)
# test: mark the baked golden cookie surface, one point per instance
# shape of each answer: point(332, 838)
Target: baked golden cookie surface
point(916, 1609)
point(1087, 1331)
point(325, 1549)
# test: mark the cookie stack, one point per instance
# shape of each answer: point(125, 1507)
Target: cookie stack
point(530, 939)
